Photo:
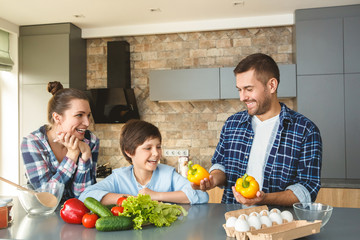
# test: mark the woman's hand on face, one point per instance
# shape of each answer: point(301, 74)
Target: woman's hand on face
point(71, 143)
point(85, 151)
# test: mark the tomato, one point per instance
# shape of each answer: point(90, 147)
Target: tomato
point(89, 220)
point(120, 200)
point(116, 210)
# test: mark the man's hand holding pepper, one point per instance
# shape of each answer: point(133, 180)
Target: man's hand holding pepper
point(260, 195)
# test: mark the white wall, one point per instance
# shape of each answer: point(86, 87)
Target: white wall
point(9, 115)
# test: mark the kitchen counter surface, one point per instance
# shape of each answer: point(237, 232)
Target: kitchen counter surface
point(203, 222)
point(340, 183)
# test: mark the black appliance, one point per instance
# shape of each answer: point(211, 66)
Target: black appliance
point(117, 102)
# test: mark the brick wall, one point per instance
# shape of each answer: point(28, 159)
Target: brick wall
point(184, 125)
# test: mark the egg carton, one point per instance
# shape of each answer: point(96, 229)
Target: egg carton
point(287, 230)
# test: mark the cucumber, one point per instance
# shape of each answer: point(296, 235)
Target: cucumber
point(96, 207)
point(110, 206)
point(113, 223)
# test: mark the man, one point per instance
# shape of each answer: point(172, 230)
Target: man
point(281, 148)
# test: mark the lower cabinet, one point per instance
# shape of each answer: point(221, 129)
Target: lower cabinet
point(352, 125)
point(321, 99)
point(339, 197)
point(331, 101)
point(336, 197)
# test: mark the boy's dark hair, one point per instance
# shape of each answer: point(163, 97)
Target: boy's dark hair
point(265, 67)
point(134, 133)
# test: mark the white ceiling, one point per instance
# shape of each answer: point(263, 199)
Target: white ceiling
point(100, 18)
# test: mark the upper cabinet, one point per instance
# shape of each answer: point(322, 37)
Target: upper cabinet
point(286, 89)
point(328, 83)
point(184, 84)
point(319, 46)
point(351, 44)
point(52, 52)
point(327, 40)
point(209, 84)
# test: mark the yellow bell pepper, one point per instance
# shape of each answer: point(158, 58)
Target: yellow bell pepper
point(247, 186)
point(196, 173)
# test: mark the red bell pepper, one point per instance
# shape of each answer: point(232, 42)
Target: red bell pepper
point(73, 210)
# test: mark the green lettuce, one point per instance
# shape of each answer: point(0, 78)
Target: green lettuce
point(144, 211)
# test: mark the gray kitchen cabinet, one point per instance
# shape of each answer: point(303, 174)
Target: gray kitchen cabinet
point(327, 50)
point(321, 99)
point(228, 88)
point(287, 86)
point(208, 84)
point(319, 44)
point(327, 40)
point(53, 52)
point(352, 123)
point(351, 44)
point(42, 61)
point(184, 84)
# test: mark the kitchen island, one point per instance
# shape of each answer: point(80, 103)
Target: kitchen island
point(203, 222)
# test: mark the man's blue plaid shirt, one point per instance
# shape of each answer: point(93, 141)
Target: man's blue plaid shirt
point(295, 157)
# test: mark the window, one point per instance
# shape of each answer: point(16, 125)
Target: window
point(5, 61)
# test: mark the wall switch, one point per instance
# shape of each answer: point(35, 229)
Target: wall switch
point(176, 152)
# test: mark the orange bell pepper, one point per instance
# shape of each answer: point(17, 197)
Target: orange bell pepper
point(247, 186)
point(196, 173)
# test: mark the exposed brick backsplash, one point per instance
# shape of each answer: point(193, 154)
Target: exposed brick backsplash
point(189, 125)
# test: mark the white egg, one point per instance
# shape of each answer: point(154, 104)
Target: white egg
point(286, 215)
point(254, 221)
point(241, 225)
point(266, 221)
point(275, 217)
point(275, 210)
point(264, 212)
point(243, 216)
point(254, 214)
point(230, 222)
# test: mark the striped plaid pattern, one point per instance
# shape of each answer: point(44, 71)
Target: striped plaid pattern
point(42, 166)
point(295, 156)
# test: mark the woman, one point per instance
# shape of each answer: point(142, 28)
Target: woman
point(140, 143)
point(64, 150)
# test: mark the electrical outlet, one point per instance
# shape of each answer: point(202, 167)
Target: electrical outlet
point(176, 152)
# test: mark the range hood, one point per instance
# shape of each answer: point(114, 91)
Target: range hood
point(117, 102)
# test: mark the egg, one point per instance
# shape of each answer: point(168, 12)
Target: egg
point(275, 210)
point(264, 212)
point(275, 217)
point(266, 221)
point(254, 214)
point(241, 225)
point(230, 222)
point(254, 221)
point(286, 215)
point(243, 216)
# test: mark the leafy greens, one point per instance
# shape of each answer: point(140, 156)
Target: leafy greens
point(143, 210)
